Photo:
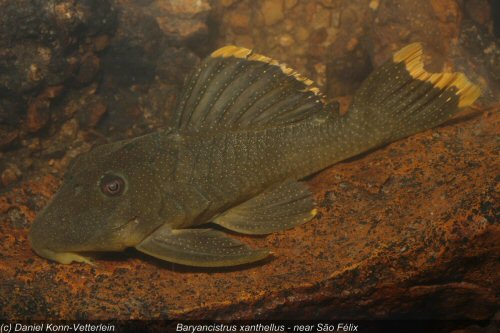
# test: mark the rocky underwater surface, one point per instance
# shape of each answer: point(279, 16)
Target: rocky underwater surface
point(406, 231)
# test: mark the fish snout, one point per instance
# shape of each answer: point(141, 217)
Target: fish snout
point(49, 243)
point(40, 243)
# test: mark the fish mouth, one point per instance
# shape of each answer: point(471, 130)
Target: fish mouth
point(40, 243)
point(60, 257)
point(40, 247)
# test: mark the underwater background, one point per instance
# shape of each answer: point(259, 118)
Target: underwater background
point(407, 231)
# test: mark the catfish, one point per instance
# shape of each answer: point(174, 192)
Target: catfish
point(246, 131)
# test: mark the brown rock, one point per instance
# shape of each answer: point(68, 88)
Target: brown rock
point(286, 40)
point(89, 67)
point(244, 41)
point(7, 138)
point(272, 10)
point(96, 112)
point(146, 53)
point(348, 65)
point(317, 37)
point(35, 73)
point(183, 19)
point(374, 4)
point(52, 92)
point(10, 174)
point(321, 18)
point(350, 18)
point(65, 11)
point(239, 23)
point(312, 25)
point(290, 3)
point(352, 44)
point(302, 33)
point(328, 3)
point(418, 18)
point(101, 42)
point(336, 19)
point(483, 51)
point(227, 3)
point(38, 114)
point(91, 111)
point(32, 144)
point(36, 51)
point(479, 11)
point(69, 129)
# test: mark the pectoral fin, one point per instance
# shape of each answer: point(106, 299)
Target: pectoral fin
point(279, 208)
point(199, 247)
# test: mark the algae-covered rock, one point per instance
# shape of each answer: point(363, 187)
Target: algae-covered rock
point(407, 231)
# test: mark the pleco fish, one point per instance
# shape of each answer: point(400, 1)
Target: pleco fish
point(246, 130)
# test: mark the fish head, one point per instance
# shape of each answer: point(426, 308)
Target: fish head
point(108, 201)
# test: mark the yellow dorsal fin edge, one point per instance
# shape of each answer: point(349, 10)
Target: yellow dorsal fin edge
point(411, 55)
point(244, 53)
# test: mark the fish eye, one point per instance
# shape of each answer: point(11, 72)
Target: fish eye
point(112, 185)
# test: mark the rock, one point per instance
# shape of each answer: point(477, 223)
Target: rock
point(174, 64)
point(328, 3)
point(7, 138)
point(45, 48)
point(98, 110)
point(435, 23)
point(298, 33)
point(239, 23)
point(272, 11)
point(290, 3)
point(89, 67)
point(302, 34)
point(227, 3)
point(321, 18)
point(37, 49)
point(349, 64)
point(405, 231)
point(322, 30)
point(10, 175)
point(151, 63)
point(52, 92)
point(374, 4)
point(483, 49)
point(69, 129)
point(38, 114)
point(39, 110)
point(101, 42)
point(181, 18)
point(133, 51)
point(91, 110)
point(245, 41)
point(286, 40)
point(479, 11)
point(11, 107)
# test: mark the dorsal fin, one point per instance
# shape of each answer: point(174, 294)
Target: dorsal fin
point(235, 88)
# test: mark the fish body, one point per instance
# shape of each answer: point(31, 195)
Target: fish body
point(244, 133)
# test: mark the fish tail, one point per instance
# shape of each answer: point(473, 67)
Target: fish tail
point(401, 98)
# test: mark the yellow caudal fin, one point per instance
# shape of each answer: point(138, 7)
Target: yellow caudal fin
point(401, 98)
point(411, 57)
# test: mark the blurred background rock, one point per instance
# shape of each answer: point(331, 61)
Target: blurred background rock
point(74, 74)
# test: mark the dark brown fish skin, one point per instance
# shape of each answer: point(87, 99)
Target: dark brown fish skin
point(81, 218)
point(245, 124)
